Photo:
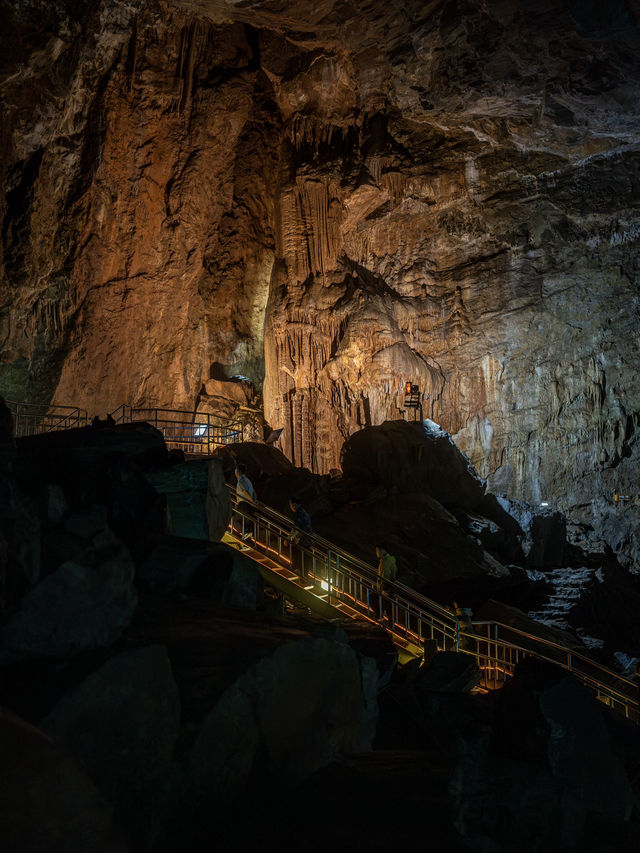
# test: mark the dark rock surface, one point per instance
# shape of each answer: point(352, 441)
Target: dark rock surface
point(218, 502)
point(197, 497)
point(208, 570)
point(47, 802)
point(122, 723)
point(290, 714)
point(543, 536)
point(80, 606)
point(406, 458)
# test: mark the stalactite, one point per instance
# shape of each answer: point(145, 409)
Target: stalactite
point(305, 433)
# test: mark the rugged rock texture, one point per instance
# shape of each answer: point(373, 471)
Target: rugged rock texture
point(82, 605)
point(334, 198)
point(122, 722)
point(292, 713)
point(47, 802)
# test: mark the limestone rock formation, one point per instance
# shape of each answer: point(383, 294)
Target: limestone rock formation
point(330, 200)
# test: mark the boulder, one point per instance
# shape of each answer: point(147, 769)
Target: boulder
point(122, 723)
point(218, 501)
point(185, 487)
point(579, 750)
point(56, 503)
point(47, 802)
point(7, 426)
point(448, 672)
point(546, 715)
point(261, 460)
point(20, 534)
point(205, 569)
point(81, 605)
point(78, 459)
point(137, 512)
point(429, 545)
point(405, 457)
point(239, 393)
point(288, 715)
point(500, 534)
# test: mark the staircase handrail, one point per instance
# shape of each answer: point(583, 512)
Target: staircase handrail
point(367, 573)
point(611, 688)
point(570, 652)
point(370, 573)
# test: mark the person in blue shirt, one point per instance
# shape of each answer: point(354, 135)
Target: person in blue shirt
point(302, 519)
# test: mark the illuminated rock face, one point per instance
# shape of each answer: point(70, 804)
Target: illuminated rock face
point(335, 201)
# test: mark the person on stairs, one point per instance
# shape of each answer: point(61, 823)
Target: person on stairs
point(387, 571)
point(246, 494)
point(244, 486)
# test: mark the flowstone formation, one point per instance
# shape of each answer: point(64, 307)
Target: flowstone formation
point(330, 200)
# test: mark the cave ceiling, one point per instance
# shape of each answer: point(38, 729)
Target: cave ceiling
point(331, 198)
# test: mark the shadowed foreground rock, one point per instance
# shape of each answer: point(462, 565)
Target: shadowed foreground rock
point(123, 717)
point(47, 802)
point(84, 604)
point(197, 497)
point(204, 569)
point(294, 712)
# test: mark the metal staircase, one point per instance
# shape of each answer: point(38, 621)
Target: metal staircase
point(344, 585)
point(338, 583)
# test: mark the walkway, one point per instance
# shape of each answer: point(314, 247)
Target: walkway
point(335, 583)
point(197, 433)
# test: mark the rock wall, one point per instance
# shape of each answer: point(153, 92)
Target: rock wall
point(332, 200)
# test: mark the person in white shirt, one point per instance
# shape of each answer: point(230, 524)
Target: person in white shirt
point(246, 492)
point(244, 486)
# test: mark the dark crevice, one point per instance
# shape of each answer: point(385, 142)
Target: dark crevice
point(16, 224)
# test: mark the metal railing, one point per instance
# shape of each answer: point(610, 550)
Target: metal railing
point(193, 432)
point(35, 418)
point(198, 433)
point(342, 579)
